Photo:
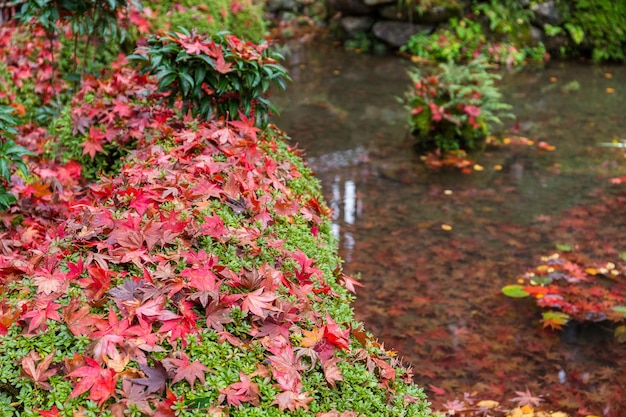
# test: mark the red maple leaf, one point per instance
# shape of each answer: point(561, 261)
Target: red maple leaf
point(258, 303)
point(183, 369)
point(243, 391)
point(53, 412)
point(292, 400)
point(221, 66)
point(40, 372)
point(193, 46)
point(99, 382)
point(332, 373)
point(93, 144)
point(44, 310)
point(334, 334)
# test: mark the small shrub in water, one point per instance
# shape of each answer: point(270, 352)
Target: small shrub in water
point(455, 107)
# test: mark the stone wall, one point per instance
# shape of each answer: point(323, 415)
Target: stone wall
point(394, 21)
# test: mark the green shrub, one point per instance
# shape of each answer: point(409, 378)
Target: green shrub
point(463, 40)
point(218, 76)
point(11, 155)
point(455, 106)
point(90, 21)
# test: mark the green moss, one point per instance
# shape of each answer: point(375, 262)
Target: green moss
point(244, 19)
point(603, 24)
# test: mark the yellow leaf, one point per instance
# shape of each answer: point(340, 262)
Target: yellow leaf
point(446, 227)
point(610, 90)
point(311, 337)
point(489, 404)
point(478, 167)
point(560, 414)
point(620, 334)
point(498, 167)
point(526, 409)
point(606, 75)
point(591, 271)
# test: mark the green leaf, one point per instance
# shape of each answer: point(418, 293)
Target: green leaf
point(514, 291)
point(564, 247)
point(620, 309)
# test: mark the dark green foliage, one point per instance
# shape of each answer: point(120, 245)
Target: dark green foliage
point(598, 25)
point(91, 22)
point(11, 155)
point(220, 76)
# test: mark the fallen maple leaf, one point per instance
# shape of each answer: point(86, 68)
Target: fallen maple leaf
point(258, 303)
point(99, 382)
point(183, 369)
point(39, 373)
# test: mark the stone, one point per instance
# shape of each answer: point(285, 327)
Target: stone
point(547, 12)
point(352, 25)
point(440, 14)
point(350, 7)
point(433, 15)
point(536, 36)
point(396, 34)
point(378, 2)
point(282, 5)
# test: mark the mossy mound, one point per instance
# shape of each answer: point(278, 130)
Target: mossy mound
point(201, 279)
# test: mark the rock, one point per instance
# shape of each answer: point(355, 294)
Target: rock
point(280, 5)
point(396, 34)
point(536, 36)
point(440, 14)
point(554, 44)
point(434, 15)
point(378, 2)
point(355, 24)
point(547, 12)
point(350, 7)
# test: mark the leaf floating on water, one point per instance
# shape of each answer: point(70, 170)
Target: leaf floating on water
point(554, 320)
point(514, 291)
point(488, 404)
point(620, 309)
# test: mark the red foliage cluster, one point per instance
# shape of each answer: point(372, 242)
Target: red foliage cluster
point(29, 56)
point(585, 294)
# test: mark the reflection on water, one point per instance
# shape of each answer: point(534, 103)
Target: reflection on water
point(433, 293)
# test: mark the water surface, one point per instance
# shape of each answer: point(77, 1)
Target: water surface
point(434, 294)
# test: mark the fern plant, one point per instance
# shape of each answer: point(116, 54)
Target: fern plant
point(455, 106)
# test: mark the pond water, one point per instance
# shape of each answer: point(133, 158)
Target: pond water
point(434, 295)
